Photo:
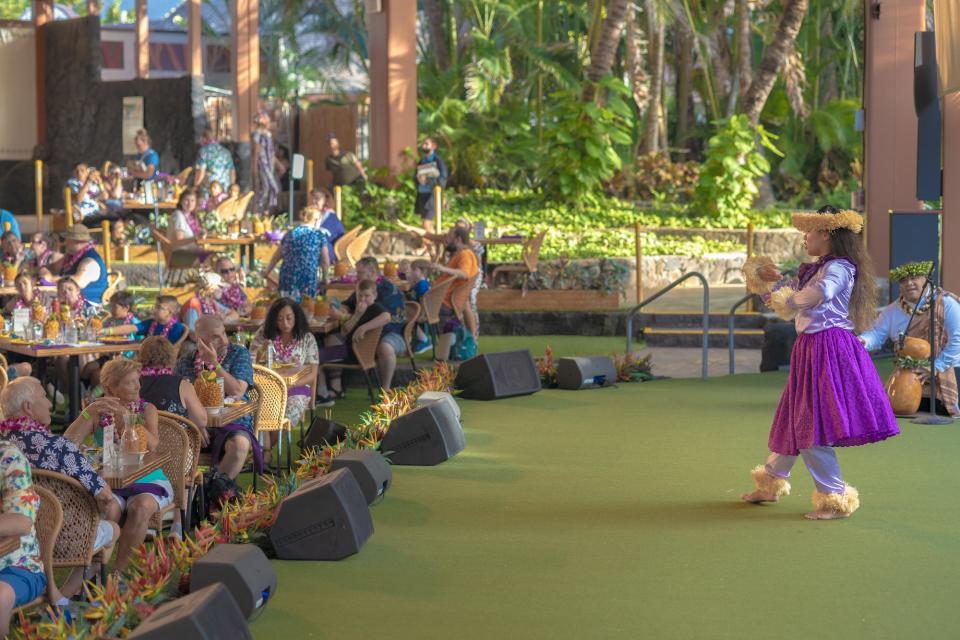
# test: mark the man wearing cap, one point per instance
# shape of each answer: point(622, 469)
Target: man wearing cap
point(895, 317)
point(82, 262)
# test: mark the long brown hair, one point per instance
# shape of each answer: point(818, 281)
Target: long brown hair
point(863, 301)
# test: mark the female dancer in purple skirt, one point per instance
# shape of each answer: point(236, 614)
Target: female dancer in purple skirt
point(833, 397)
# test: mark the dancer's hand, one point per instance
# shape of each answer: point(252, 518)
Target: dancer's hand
point(770, 273)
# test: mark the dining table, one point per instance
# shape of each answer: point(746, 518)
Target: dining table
point(230, 412)
point(124, 475)
point(247, 247)
point(40, 349)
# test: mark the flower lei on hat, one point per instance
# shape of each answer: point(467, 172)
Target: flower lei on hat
point(846, 219)
point(910, 270)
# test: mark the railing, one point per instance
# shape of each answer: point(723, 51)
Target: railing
point(731, 331)
point(706, 312)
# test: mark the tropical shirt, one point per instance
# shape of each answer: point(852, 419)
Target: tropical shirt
point(16, 491)
point(46, 450)
point(218, 163)
point(88, 205)
point(236, 362)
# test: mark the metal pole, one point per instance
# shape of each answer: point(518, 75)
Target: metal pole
point(107, 246)
point(706, 326)
point(338, 200)
point(68, 204)
point(638, 230)
point(290, 187)
point(309, 178)
point(38, 183)
point(438, 204)
point(750, 247)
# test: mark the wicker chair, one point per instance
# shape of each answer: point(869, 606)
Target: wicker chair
point(49, 523)
point(432, 301)
point(358, 246)
point(460, 299)
point(271, 412)
point(531, 258)
point(178, 345)
point(340, 246)
point(4, 379)
point(365, 350)
point(206, 459)
point(181, 262)
point(412, 314)
point(74, 546)
point(191, 461)
point(174, 441)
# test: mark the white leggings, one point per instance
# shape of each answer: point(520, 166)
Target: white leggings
point(821, 463)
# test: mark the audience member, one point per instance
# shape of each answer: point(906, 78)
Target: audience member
point(234, 296)
point(207, 301)
point(13, 252)
point(214, 164)
point(301, 252)
point(83, 264)
point(147, 165)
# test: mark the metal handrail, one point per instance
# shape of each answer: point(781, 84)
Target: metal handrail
point(731, 339)
point(664, 291)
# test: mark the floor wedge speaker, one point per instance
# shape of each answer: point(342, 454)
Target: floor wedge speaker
point(208, 614)
point(325, 519)
point(498, 375)
point(241, 568)
point(369, 469)
point(323, 432)
point(425, 437)
point(428, 397)
point(582, 373)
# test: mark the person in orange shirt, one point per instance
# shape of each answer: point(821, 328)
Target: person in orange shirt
point(463, 268)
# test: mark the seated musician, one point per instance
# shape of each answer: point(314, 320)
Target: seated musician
point(895, 317)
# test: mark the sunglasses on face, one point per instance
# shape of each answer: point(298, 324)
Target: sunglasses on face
point(227, 270)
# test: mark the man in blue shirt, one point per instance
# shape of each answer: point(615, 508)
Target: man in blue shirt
point(431, 171)
point(895, 317)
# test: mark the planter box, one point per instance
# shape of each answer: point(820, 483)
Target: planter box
point(559, 300)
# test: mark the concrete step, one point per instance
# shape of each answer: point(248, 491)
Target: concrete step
point(686, 320)
point(718, 338)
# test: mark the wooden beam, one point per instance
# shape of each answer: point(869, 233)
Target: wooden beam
point(194, 39)
point(241, 69)
point(141, 45)
point(253, 54)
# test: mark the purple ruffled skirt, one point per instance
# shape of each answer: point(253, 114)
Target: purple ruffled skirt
point(834, 396)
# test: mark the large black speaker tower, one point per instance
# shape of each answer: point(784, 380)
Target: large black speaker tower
point(498, 375)
point(369, 469)
point(243, 569)
point(325, 519)
point(424, 437)
point(208, 614)
point(926, 102)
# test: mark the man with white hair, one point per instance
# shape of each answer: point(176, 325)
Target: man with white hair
point(26, 424)
point(230, 443)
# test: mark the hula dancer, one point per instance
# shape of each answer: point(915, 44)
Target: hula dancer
point(833, 397)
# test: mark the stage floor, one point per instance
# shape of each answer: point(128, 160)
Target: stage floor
point(615, 514)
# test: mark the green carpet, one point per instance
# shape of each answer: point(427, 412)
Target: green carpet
point(614, 514)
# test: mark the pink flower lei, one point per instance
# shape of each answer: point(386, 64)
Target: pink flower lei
point(113, 322)
point(234, 297)
point(284, 353)
point(106, 418)
point(208, 307)
point(149, 372)
point(22, 423)
point(71, 259)
point(166, 327)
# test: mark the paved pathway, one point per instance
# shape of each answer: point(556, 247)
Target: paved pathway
point(681, 362)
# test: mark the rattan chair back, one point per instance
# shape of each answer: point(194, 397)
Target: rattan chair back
point(49, 523)
point(433, 299)
point(271, 412)
point(358, 247)
point(340, 246)
point(411, 311)
point(74, 545)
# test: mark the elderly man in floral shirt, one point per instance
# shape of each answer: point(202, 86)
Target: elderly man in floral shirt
point(214, 164)
point(26, 424)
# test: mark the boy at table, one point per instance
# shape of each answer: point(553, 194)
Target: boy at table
point(22, 578)
point(27, 425)
point(164, 322)
point(230, 443)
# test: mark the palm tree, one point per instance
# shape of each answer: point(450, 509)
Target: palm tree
point(774, 57)
point(609, 40)
point(436, 25)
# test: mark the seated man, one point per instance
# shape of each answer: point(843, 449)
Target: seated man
point(27, 425)
point(83, 263)
point(894, 318)
point(230, 443)
point(391, 339)
point(233, 296)
point(22, 578)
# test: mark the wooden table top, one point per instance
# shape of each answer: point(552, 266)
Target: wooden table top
point(136, 205)
point(226, 241)
point(38, 350)
point(295, 375)
point(120, 477)
point(9, 544)
point(230, 414)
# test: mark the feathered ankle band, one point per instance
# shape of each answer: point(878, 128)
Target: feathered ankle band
point(779, 487)
point(845, 503)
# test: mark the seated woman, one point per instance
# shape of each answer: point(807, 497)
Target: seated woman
point(184, 230)
point(87, 191)
point(165, 390)
point(27, 294)
point(140, 500)
point(216, 196)
point(287, 329)
point(367, 314)
point(208, 301)
point(70, 297)
point(301, 251)
point(41, 255)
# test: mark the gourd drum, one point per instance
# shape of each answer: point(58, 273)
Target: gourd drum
point(905, 391)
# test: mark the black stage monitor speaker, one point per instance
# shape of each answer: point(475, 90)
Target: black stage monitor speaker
point(581, 373)
point(243, 569)
point(926, 102)
point(323, 432)
point(325, 519)
point(498, 375)
point(369, 469)
point(208, 614)
point(424, 437)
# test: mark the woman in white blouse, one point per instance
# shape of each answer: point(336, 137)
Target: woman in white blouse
point(183, 231)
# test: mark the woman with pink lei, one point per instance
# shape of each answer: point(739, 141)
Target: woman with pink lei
point(834, 396)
